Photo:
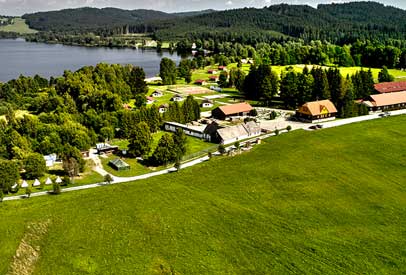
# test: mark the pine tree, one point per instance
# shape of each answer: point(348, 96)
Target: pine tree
point(384, 75)
point(139, 86)
point(140, 140)
point(165, 152)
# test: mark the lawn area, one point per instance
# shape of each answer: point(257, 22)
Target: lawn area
point(398, 74)
point(19, 26)
point(326, 202)
point(88, 177)
point(135, 167)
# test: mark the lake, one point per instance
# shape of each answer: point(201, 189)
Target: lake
point(19, 57)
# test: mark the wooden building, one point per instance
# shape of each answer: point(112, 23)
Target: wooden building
point(317, 111)
point(239, 109)
point(386, 101)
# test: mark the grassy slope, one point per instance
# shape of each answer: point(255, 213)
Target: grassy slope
point(19, 26)
point(326, 202)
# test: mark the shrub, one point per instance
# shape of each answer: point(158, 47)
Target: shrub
point(108, 178)
point(276, 132)
point(273, 115)
point(56, 188)
point(289, 128)
point(253, 112)
point(221, 149)
point(28, 192)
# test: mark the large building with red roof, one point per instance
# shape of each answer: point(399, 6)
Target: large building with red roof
point(239, 109)
point(390, 87)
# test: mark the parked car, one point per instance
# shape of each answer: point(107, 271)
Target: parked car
point(313, 127)
point(319, 126)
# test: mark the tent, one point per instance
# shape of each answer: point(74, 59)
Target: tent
point(36, 183)
point(24, 184)
point(58, 180)
point(48, 181)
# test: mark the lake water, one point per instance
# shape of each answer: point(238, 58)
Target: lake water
point(19, 57)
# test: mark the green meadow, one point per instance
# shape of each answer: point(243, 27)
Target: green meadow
point(19, 26)
point(331, 201)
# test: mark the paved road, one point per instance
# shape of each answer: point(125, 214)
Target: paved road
point(98, 167)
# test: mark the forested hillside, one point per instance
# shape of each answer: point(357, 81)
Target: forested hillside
point(90, 19)
point(336, 23)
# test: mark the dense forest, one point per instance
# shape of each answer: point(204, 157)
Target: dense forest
point(336, 23)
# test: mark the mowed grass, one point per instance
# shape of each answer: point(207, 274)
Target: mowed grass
point(19, 26)
point(398, 74)
point(325, 202)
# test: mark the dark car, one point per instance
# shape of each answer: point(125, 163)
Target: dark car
point(313, 127)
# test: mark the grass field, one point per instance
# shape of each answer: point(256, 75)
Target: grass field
point(19, 26)
point(326, 202)
point(398, 74)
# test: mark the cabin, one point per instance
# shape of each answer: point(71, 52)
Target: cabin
point(163, 108)
point(239, 132)
point(105, 148)
point(211, 71)
point(227, 111)
point(213, 78)
point(177, 98)
point(127, 107)
point(222, 68)
point(150, 100)
point(157, 93)
point(207, 103)
point(85, 154)
point(386, 102)
point(390, 87)
point(317, 111)
point(50, 160)
point(200, 82)
point(119, 165)
point(189, 130)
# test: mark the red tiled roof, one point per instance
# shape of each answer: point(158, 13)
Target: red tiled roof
point(199, 81)
point(236, 108)
point(390, 87)
point(150, 98)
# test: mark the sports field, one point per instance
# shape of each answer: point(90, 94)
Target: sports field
point(331, 201)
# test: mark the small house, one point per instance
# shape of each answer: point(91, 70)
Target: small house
point(213, 78)
point(85, 153)
point(239, 109)
point(222, 68)
point(119, 165)
point(211, 71)
point(317, 111)
point(207, 103)
point(127, 107)
point(157, 93)
point(150, 100)
point(200, 82)
point(50, 160)
point(163, 108)
point(177, 98)
point(105, 148)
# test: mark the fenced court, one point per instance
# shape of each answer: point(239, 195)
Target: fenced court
point(190, 90)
